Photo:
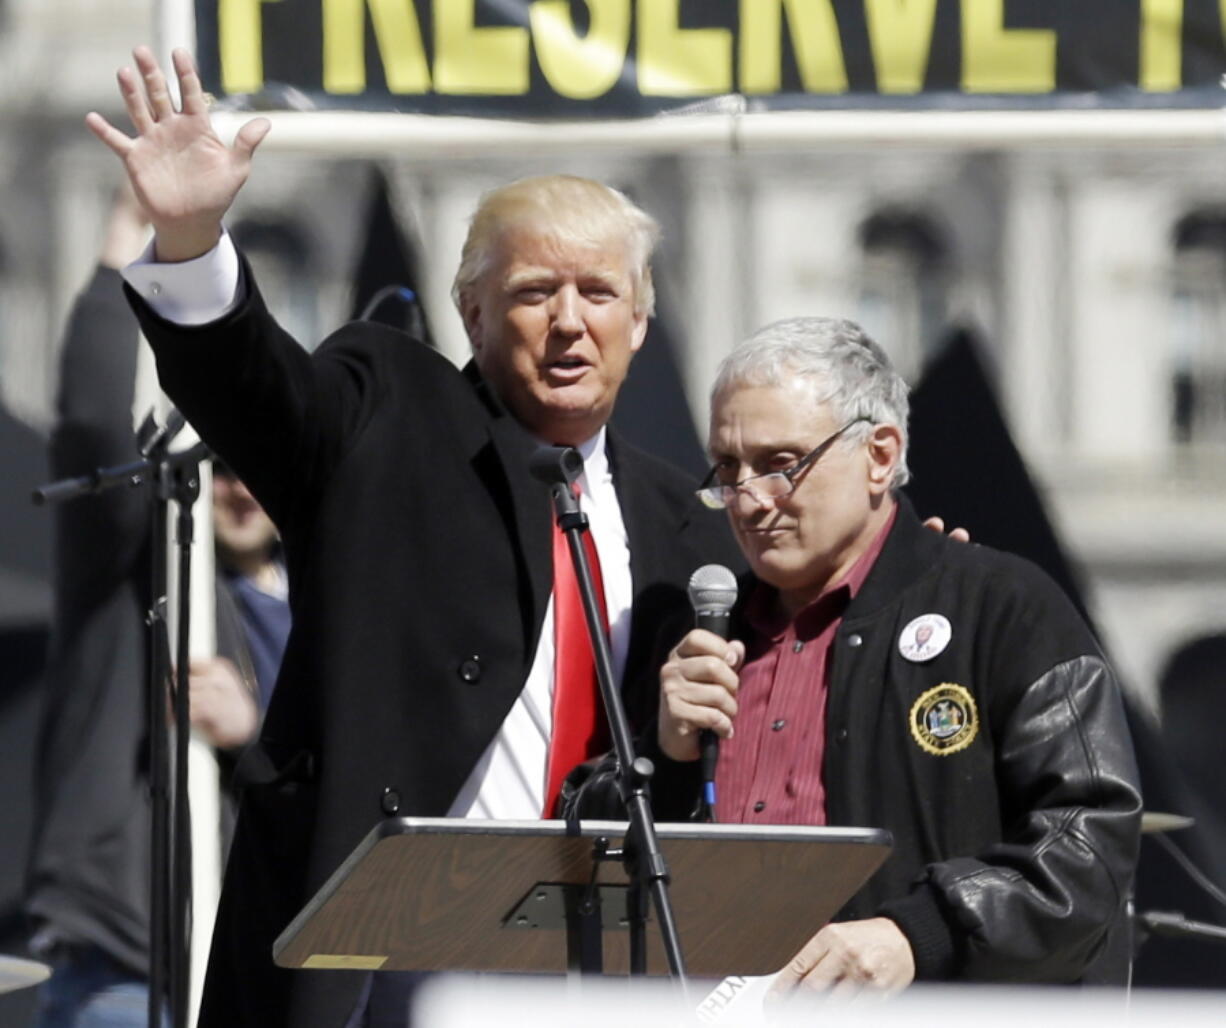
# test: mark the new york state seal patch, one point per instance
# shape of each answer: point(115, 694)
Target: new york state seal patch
point(944, 719)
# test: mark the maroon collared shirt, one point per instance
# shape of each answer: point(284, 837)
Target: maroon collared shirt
point(770, 771)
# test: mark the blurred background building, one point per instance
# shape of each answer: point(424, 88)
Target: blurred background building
point(1092, 279)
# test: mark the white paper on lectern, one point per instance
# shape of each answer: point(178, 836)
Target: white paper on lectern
point(736, 992)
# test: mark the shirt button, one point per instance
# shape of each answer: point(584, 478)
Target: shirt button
point(390, 803)
point(155, 288)
point(470, 669)
point(855, 640)
point(797, 646)
point(759, 807)
point(841, 735)
point(777, 726)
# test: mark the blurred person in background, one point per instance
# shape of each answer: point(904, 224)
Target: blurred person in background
point(253, 617)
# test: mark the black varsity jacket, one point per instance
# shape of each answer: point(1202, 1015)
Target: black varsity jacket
point(994, 749)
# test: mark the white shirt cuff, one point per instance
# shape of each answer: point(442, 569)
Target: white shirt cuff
point(191, 292)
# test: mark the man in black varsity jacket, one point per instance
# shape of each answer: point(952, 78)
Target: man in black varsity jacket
point(881, 675)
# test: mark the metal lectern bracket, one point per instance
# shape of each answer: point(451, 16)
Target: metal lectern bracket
point(546, 903)
point(583, 910)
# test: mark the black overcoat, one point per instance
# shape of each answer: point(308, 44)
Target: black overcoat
point(419, 558)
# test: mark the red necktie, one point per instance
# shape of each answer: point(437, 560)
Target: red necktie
point(579, 730)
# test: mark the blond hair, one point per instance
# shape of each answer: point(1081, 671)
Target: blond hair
point(567, 208)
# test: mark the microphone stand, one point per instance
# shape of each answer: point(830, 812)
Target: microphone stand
point(559, 467)
point(1173, 924)
point(175, 478)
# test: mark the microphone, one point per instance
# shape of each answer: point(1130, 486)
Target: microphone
point(712, 591)
point(555, 465)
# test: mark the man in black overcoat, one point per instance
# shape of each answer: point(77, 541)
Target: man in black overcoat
point(418, 675)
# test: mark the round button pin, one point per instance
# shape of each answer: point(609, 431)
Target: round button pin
point(925, 637)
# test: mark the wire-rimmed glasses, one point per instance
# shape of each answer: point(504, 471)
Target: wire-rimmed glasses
point(771, 485)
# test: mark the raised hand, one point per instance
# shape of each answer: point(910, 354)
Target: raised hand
point(183, 175)
point(127, 231)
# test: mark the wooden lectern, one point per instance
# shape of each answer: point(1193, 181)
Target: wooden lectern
point(445, 894)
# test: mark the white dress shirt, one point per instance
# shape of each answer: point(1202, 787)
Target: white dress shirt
point(508, 782)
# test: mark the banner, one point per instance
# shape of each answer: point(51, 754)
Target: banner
point(628, 58)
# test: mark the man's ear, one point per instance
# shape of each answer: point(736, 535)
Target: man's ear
point(884, 452)
point(470, 312)
point(639, 334)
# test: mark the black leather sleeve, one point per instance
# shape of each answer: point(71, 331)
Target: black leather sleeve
point(1038, 905)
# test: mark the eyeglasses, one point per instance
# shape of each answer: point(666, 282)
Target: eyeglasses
point(773, 485)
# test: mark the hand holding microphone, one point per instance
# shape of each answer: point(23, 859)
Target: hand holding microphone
point(698, 683)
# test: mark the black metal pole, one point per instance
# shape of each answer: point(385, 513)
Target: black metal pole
point(560, 466)
point(1173, 924)
point(185, 481)
point(175, 477)
point(159, 772)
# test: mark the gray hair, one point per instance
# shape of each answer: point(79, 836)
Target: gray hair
point(850, 374)
point(564, 207)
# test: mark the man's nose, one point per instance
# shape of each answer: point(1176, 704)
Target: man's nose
point(749, 500)
point(567, 315)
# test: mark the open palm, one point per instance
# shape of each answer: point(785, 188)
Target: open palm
point(183, 175)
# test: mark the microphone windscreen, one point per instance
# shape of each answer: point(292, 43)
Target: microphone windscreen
point(712, 588)
point(556, 465)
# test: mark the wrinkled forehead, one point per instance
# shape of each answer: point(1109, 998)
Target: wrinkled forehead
point(748, 414)
point(774, 395)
